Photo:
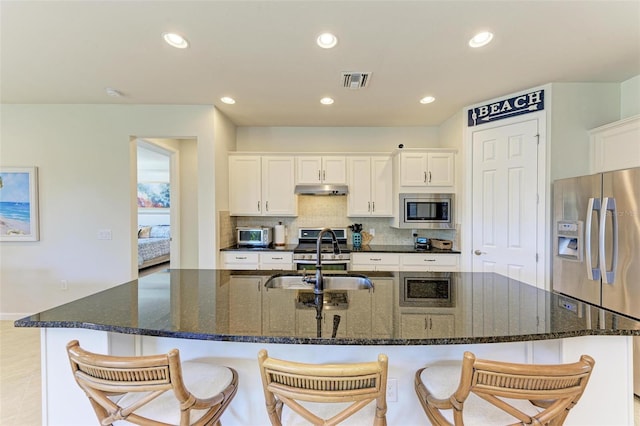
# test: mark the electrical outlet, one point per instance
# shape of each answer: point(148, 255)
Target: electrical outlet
point(372, 231)
point(392, 390)
point(64, 285)
point(104, 234)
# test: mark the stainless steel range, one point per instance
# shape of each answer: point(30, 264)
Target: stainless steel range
point(304, 255)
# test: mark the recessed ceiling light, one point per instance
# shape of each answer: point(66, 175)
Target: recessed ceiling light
point(113, 92)
point(327, 40)
point(228, 100)
point(427, 100)
point(481, 39)
point(326, 101)
point(176, 40)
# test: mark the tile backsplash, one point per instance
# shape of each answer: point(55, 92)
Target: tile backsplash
point(320, 211)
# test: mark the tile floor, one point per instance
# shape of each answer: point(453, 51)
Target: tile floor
point(20, 390)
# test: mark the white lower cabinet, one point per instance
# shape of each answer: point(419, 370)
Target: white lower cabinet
point(307, 324)
point(429, 262)
point(381, 307)
point(278, 312)
point(253, 260)
point(375, 261)
point(245, 305)
point(426, 325)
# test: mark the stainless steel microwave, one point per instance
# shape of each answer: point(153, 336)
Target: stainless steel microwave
point(254, 236)
point(427, 289)
point(426, 211)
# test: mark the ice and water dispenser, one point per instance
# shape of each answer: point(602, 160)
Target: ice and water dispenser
point(570, 239)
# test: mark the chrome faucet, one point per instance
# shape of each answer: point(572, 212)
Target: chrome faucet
point(317, 280)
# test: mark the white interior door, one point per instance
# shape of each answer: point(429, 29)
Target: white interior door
point(505, 168)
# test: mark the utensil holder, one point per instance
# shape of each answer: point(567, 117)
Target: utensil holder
point(357, 239)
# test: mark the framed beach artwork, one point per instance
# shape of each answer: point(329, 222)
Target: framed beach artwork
point(19, 204)
point(154, 196)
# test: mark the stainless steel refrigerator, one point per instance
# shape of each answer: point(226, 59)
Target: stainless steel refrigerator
point(597, 243)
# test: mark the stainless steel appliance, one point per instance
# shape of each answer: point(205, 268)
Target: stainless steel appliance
point(597, 243)
point(254, 236)
point(427, 289)
point(426, 211)
point(304, 255)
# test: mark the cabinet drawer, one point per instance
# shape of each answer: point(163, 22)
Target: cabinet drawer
point(240, 260)
point(276, 257)
point(430, 259)
point(392, 259)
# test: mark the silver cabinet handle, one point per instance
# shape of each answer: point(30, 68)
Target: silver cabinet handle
point(429, 260)
point(425, 177)
point(373, 206)
point(479, 253)
point(608, 204)
point(374, 259)
point(258, 205)
point(369, 206)
point(266, 206)
point(241, 257)
point(324, 175)
point(593, 205)
point(429, 177)
point(319, 176)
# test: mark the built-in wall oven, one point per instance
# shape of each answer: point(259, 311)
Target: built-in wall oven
point(427, 289)
point(305, 254)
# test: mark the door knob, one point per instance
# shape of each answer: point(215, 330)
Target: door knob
point(479, 253)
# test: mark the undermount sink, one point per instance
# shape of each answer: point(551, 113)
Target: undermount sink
point(331, 282)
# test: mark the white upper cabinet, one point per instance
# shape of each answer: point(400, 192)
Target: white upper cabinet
point(329, 169)
point(426, 168)
point(370, 186)
point(616, 146)
point(262, 185)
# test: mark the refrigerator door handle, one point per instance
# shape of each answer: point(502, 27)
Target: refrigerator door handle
point(592, 273)
point(608, 204)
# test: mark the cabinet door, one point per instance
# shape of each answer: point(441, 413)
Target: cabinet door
point(359, 313)
point(278, 311)
point(375, 261)
point(382, 308)
point(278, 186)
point(306, 323)
point(359, 198)
point(440, 325)
point(334, 169)
point(245, 305)
point(440, 169)
point(381, 186)
point(413, 169)
point(245, 186)
point(413, 326)
point(309, 169)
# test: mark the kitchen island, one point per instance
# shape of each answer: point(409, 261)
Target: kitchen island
point(231, 315)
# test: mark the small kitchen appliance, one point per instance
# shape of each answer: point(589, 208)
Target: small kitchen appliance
point(254, 236)
point(426, 211)
point(422, 243)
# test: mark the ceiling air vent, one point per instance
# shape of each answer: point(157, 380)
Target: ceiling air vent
point(355, 80)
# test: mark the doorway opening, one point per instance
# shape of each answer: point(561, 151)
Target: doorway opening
point(157, 203)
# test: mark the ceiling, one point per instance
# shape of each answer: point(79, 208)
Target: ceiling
point(263, 54)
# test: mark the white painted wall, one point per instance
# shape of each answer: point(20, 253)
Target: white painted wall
point(575, 109)
point(334, 139)
point(83, 153)
point(630, 97)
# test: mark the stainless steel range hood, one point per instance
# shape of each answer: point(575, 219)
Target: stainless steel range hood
point(320, 189)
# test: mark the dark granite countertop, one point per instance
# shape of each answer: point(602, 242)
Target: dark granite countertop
point(375, 248)
point(236, 306)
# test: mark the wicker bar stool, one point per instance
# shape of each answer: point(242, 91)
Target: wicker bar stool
point(324, 394)
point(153, 389)
point(499, 393)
